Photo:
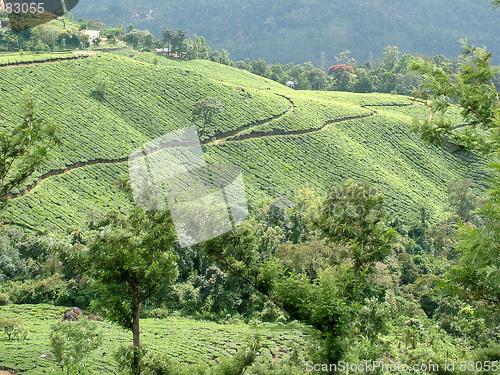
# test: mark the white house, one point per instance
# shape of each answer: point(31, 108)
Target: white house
point(290, 84)
point(163, 50)
point(93, 34)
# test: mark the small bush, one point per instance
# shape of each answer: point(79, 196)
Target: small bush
point(4, 299)
point(72, 341)
point(14, 328)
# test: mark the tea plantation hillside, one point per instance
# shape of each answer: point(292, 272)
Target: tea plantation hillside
point(188, 341)
point(108, 105)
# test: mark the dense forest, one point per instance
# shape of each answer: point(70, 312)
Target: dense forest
point(299, 31)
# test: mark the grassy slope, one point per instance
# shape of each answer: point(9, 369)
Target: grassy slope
point(185, 340)
point(144, 101)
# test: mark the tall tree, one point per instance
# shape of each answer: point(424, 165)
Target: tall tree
point(168, 36)
point(24, 149)
point(476, 275)
point(128, 260)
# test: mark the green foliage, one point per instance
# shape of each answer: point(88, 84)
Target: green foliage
point(102, 85)
point(240, 361)
point(4, 299)
point(24, 149)
point(471, 89)
point(71, 343)
point(476, 276)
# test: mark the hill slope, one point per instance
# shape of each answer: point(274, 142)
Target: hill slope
point(299, 30)
point(281, 139)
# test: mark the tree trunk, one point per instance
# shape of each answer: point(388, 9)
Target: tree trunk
point(136, 307)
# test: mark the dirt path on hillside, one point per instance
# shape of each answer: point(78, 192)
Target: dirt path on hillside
point(231, 136)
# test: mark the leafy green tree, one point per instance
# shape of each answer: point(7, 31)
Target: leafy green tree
point(312, 80)
point(387, 82)
point(471, 90)
point(476, 276)
point(391, 58)
point(24, 149)
point(260, 68)
point(148, 40)
point(178, 42)
point(168, 36)
point(102, 84)
point(128, 260)
point(462, 199)
point(196, 48)
point(84, 40)
point(224, 59)
point(10, 38)
point(207, 109)
point(364, 82)
point(353, 215)
point(277, 72)
point(134, 37)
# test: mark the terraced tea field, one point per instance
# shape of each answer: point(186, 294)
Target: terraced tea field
point(8, 59)
point(186, 340)
point(282, 139)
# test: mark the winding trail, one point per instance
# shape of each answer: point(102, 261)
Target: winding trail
point(230, 136)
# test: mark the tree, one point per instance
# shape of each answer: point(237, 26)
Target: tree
point(196, 48)
point(24, 149)
point(10, 37)
point(134, 37)
point(260, 68)
point(206, 109)
point(224, 59)
point(178, 42)
point(312, 80)
point(364, 82)
point(83, 39)
point(353, 215)
point(476, 275)
point(148, 40)
point(168, 36)
point(128, 260)
point(471, 89)
point(391, 58)
point(102, 84)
